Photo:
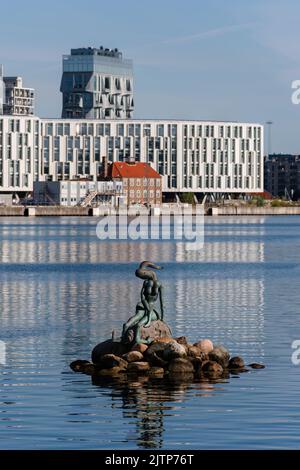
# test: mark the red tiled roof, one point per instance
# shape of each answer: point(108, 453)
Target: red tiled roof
point(133, 170)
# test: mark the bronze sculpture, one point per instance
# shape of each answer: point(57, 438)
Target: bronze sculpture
point(146, 311)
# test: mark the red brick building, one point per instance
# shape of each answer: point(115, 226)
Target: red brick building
point(141, 183)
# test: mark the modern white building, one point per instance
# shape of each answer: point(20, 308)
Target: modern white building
point(192, 156)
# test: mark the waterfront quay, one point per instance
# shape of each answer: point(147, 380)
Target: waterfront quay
point(55, 211)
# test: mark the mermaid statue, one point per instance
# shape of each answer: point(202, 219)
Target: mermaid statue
point(146, 310)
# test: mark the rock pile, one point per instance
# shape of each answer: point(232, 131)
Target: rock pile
point(165, 357)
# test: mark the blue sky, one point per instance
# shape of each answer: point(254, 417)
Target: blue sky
point(193, 59)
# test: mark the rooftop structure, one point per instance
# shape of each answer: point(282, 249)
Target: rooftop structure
point(97, 84)
point(18, 100)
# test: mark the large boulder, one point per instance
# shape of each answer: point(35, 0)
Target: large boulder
point(157, 329)
point(108, 347)
point(221, 355)
point(154, 353)
point(205, 345)
point(173, 350)
point(213, 368)
point(181, 366)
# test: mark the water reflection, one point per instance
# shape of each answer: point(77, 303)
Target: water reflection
point(147, 402)
point(63, 291)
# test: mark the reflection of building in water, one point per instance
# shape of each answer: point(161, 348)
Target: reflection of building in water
point(216, 292)
point(230, 311)
point(75, 241)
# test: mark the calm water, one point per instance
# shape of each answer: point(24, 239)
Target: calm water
point(62, 291)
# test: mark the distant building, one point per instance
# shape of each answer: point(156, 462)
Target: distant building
point(1, 89)
point(78, 192)
point(282, 175)
point(203, 157)
point(18, 100)
point(97, 84)
point(141, 183)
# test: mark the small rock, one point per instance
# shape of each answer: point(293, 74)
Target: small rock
point(111, 372)
point(221, 355)
point(255, 365)
point(157, 347)
point(193, 351)
point(79, 365)
point(157, 361)
point(173, 350)
point(165, 339)
point(154, 354)
point(111, 360)
point(182, 340)
point(205, 345)
point(181, 366)
point(156, 372)
point(133, 356)
point(236, 363)
point(140, 348)
point(108, 347)
point(212, 367)
point(89, 369)
point(138, 367)
point(199, 361)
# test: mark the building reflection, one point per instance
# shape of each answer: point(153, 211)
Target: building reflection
point(71, 280)
point(63, 291)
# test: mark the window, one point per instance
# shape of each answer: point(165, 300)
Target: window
point(160, 130)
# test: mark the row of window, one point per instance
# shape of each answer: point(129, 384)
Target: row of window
point(222, 182)
point(222, 131)
point(138, 193)
point(142, 181)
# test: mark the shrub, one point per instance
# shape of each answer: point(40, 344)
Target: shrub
point(260, 202)
point(279, 203)
point(187, 198)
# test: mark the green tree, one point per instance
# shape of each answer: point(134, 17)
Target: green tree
point(187, 198)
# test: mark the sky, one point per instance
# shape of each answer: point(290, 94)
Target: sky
point(193, 59)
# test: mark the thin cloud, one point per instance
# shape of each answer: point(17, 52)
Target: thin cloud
point(210, 33)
